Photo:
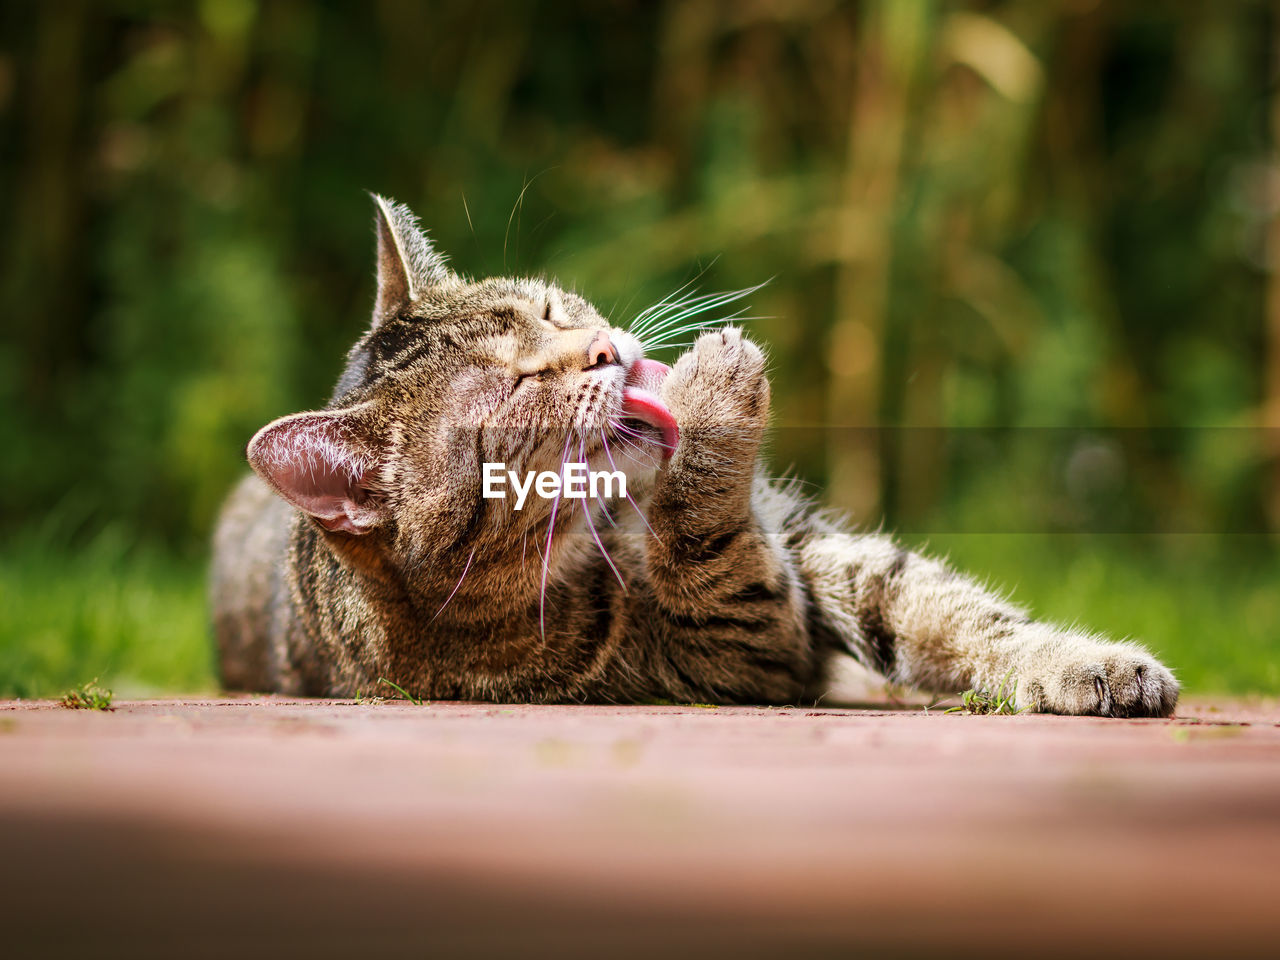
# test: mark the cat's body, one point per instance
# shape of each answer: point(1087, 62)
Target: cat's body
point(379, 558)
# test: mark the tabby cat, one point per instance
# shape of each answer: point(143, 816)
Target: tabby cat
point(362, 547)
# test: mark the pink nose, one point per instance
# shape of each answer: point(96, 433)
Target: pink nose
point(601, 351)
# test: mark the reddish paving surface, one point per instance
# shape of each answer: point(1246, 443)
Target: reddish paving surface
point(271, 827)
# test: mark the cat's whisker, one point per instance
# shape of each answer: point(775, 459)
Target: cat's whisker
point(586, 510)
point(673, 311)
point(624, 431)
point(676, 328)
point(604, 442)
point(546, 556)
point(538, 547)
point(604, 506)
point(661, 319)
point(673, 303)
point(647, 315)
point(632, 442)
point(645, 520)
point(668, 342)
point(604, 510)
point(667, 336)
point(518, 207)
point(639, 454)
point(652, 318)
point(698, 305)
point(635, 506)
point(665, 339)
point(456, 586)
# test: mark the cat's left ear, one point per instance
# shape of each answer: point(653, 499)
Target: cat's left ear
point(408, 265)
point(323, 464)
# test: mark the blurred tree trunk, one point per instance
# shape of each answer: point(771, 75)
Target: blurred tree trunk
point(890, 49)
point(1271, 399)
point(46, 272)
point(682, 77)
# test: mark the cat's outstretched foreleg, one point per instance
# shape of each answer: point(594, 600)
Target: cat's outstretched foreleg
point(921, 623)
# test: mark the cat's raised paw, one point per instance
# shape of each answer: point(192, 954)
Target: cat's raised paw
point(722, 376)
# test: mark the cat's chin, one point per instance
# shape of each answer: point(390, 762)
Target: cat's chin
point(643, 410)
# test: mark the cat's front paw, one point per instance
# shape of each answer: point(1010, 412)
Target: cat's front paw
point(1076, 675)
point(719, 395)
point(719, 382)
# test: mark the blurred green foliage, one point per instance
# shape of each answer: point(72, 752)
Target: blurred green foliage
point(1019, 254)
point(108, 607)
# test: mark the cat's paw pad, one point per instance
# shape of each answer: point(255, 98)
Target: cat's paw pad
point(1106, 680)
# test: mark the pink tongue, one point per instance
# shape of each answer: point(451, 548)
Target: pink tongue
point(640, 401)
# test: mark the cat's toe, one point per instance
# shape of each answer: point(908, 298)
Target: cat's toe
point(727, 354)
point(721, 379)
point(1113, 680)
point(1139, 685)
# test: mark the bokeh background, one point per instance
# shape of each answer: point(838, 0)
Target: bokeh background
point(1023, 305)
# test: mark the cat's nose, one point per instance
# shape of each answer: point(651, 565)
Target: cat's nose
point(601, 351)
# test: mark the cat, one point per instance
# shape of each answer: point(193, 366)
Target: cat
point(361, 547)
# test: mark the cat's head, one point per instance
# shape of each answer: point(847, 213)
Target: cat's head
point(451, 374)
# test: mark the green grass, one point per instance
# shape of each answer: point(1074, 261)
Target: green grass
point(1209, 607)
point(88, 696)
point(130, 615)
point(1000, 702)
point(135, 616)
point(404, 694)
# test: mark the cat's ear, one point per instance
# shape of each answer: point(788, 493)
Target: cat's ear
point(408, 265)
point(321, 464)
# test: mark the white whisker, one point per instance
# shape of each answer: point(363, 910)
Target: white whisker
point(692, 307)
point(458, 584)
point(596, 536)
point(546, 556)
